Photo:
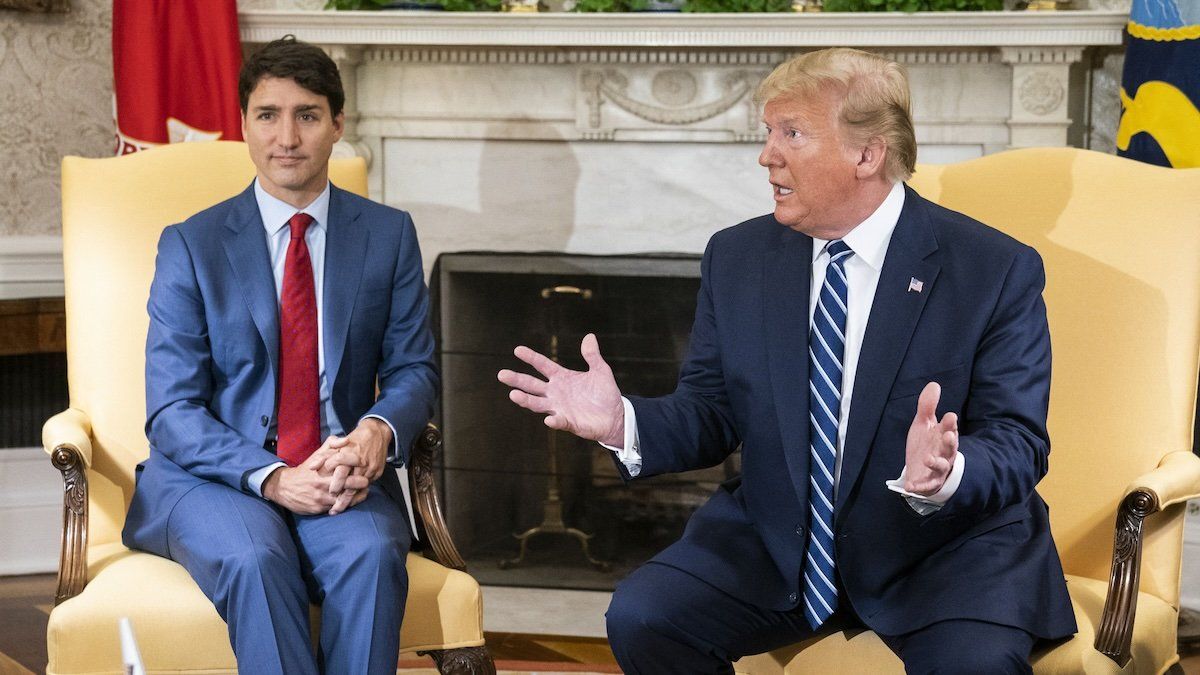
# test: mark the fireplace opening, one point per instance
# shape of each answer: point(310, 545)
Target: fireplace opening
point(507, 479)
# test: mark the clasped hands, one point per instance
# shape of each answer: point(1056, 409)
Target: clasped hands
point(336, 477)
point(588, 404)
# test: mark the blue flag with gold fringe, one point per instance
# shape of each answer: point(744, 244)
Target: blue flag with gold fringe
point(1160, 88)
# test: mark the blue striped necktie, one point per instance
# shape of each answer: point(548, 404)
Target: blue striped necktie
point(826, 346)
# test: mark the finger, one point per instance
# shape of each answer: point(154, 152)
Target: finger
point(950, 442)
point(950, 422)
point(342, 502)
point(526, 383)
point(539, 362)
point(338, 443)
point(357, 482)
point(537, 404)
point(590, 349)
point(338, 482)
point(316, 461)
point(557, 422)
point(927, 403)
point(938, 466)
point(346, 457)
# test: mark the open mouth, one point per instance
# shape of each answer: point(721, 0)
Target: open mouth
point(781, 191)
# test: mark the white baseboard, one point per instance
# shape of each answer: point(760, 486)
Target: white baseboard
point(30, 267)
point(30, 512)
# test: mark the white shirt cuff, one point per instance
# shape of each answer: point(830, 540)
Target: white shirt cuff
point(631, 453)
point(256, 479)
point(393, 456)
point(927, 504)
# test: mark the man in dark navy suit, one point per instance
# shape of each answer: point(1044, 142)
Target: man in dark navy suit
point(291, 313)
point(884, 364)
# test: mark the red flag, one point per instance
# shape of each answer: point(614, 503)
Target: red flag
point(175, 68)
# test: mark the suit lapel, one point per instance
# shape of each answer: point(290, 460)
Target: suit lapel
point(246, 247)
point(894, 315)
point(786, 279)
point(345, 255)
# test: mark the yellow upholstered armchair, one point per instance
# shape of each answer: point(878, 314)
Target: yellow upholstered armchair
point(113, 212)
point(1121, 244)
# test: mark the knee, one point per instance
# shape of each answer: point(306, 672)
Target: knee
point(633, 621)
point(257, 561)
point(375, 555)
point(983, 657)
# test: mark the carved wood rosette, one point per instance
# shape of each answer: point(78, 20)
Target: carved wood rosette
point(432, 524)
point(1115, 632)
point(72, 561)
point(464, 661)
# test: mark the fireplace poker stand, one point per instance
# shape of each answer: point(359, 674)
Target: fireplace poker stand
point(552, 506)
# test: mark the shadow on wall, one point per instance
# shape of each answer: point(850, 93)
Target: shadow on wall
point(525, 196)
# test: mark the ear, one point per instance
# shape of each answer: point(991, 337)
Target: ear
point(339, 126)
point(244, 125)
point(871, 158)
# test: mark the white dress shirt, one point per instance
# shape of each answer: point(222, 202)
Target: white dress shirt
point(869, 240)
point(275, 214)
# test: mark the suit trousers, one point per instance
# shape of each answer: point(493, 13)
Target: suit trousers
point(261, 566)
point(664, 621)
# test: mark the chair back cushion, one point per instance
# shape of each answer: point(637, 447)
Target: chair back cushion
point(113, 212)
point(1121, 244)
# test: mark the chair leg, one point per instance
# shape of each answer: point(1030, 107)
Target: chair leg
point(464, 661)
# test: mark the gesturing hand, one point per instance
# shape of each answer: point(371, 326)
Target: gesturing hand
point(932, 445)
point(587, 403)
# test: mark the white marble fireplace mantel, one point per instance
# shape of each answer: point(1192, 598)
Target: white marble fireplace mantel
point(614, 133)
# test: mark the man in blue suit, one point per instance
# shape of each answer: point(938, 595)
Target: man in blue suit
point(884, 364)
point(274, 316)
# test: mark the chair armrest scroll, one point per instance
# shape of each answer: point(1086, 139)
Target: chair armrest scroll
point(70, 428)
point(431, 523)
point(67, 439)
point(1175, 480)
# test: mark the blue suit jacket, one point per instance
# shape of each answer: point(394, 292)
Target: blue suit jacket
point(212, 350)
point(978, 327)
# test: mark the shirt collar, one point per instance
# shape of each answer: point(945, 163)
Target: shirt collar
point(276, 212)
point(869, 239)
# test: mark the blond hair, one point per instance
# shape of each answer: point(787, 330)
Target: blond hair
point(874, 99)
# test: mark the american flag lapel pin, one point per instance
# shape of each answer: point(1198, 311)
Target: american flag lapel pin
point(915, 284)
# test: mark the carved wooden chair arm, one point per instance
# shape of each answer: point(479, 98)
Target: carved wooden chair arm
point(67, 439)
point(1176, 480)
point(431, 524)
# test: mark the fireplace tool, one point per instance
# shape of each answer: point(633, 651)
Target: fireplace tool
point(552, 506)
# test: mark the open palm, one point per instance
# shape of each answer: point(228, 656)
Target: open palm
point(584, 403)
point(931, 446)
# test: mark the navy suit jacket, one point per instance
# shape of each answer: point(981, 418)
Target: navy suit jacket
point(212, 350)
point(977, 327)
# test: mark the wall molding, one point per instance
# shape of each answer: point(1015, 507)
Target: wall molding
point(759, 31)
point(31, 267)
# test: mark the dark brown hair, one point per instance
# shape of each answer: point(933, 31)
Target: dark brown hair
point(306, 64)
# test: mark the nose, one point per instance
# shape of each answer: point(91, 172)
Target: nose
point(289, 136)
point(769, 156)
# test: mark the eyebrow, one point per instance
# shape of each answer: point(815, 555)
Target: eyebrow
point(274, 108)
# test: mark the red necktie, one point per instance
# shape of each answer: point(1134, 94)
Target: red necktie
point(299, 398)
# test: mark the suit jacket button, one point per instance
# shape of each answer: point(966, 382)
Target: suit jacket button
point(792, 597)
point(800, 530)
point(264, 420)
